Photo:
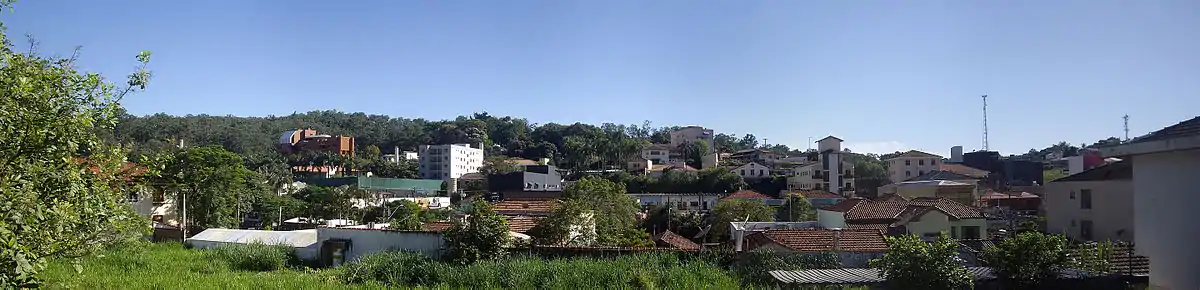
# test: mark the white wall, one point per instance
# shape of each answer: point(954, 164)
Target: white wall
point(367, 241)
point(1165, 202)
point(752, 170)
point(452, 161)
point(1111, 213)
point(899, 171)
point(831, 219)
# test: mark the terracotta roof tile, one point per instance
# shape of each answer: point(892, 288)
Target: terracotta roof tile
point(883, 228)
point(876, 210)
point(915, 154)
point(513, 206)
point(439, 226)
point(845, 205)
point(822, 240)
point(676, 241)
point(748, 194)
point(951, 207)
point(523, 224)
point(817, 194)
point(964, 170)
point(895, 208)
point(1182, 129)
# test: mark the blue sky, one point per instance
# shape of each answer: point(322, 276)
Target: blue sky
point(883, 75)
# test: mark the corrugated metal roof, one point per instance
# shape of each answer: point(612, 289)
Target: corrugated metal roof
point(298, 239)
point(871, 276)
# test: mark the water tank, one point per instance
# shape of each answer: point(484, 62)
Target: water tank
point(956, 154)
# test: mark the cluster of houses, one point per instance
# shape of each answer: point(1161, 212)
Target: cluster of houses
point(1138, 196)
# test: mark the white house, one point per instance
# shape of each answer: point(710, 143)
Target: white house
point(753, 170)
point(699, 201)
point(1166, 192)
point(828, 171)
point(689, 133)
point(448, 161)
point(911, 164)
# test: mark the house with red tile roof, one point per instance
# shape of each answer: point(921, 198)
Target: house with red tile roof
point(854, 247)
point(751, 194)
point(673, 240)
point(819, 198)
point(924, 216)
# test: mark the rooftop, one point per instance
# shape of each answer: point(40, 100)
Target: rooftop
point(895, 208)
point(816, 193)
point(676, 241)
point(1122, 170)
point(915, 154)
point(514, 206)
point(964, 170)
point(748, 194)
point(822, 240)
point(940, 175)
point(1187, 128)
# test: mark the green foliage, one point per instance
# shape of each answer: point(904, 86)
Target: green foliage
point(660, 218)
point(393, 269)
point(1052, 174)
point(756, 265)
point(797, 209)
point(612, 209)
point(254, 257)
point(406, 216)
point(328, 202)
point(51, 204)
point(737, 210)
point(499, 165)
point(558, 227)
point(1093, 257)
point(215, 181)
point(481, 237)
point(694, 152)
point(1028, 258)
point(915, 264)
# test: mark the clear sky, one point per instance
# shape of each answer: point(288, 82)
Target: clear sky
point(883, 75)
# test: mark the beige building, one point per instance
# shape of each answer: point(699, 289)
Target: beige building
point(911, 164)
point(964, 193)
point(689, 133)
point(1093, 205)
point(828, 170)
point(923, 216)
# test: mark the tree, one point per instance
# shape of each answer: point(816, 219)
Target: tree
point(694, 152)
point(51, 203)
point(568, 224)
point(406, 216)
point(324, 203)
point(738, 210)
point(720, 179)
point(402, 169)
point(481, 237)
point(214, 182)
point(1028, 258)
point(911, 263)
point(798, 209)
point(372, 152)
point(613, 210)
point(499, 165)
point(748, 141)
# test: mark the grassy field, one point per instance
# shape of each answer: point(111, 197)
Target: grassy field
point(170, 266)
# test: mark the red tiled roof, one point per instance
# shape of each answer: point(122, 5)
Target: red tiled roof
point(845, 205)
point(883, 228)
point(748, 194)
point(127, 172)
point(950, 207)
point(676, 241)
point(523, 224)
point(897, 208)
point(875, 210)
point(1007, 195)
point(522, 161)
point(513, 206)
point(964, 170)
point(915, 154)
point(806, 193)
point(439, 226)
point(822, 240)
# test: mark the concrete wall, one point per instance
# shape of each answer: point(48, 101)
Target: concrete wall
point(146, 207)
point(931, 223)
point(367, 241)
point(1166, 195)
point(857, 259)
point(831, 219)
point(899, 171)
point(703, 203)
point(1111, 213)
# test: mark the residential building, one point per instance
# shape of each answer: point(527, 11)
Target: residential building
point(753, 171)
point(1166, 191)
point(1019, 201)
point(924, 216)
point(751, 194)
point(659, 153)
point(689, 133)
point(448, 161)
point(308, 140)
point(658, 170)
point(533, 207)
point(756, 155)
point(854, 247)
point(963, 193)
point(911, 164)
point(698, 201)
point(1093, 205)
point(827, 170)
point(535, 181)
point(672, 240)
point(819, 198)
point(398, 155)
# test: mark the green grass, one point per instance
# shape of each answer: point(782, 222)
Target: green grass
point(170, 266)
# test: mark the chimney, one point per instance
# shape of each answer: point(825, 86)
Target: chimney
point(837, 240)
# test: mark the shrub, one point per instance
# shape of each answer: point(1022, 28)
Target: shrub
point(392, 268)
point(756, 265)
point(254, 257)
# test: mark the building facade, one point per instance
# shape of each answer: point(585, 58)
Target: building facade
point(448, 161)
point(911, 164)
point(1093, 205)
point(689, 133)
point(753, 171)
point(826, 170)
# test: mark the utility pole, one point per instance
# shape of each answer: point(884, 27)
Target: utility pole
point(985, 128)
point(1126, 117)
point(184, 223)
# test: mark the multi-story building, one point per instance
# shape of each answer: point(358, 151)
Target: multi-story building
point(659, 153)
point(911, 164)
point(1093, 205)
point(753, 171)
point(448, 161)
point(398, 155)
point(826, 170)
point(689, 133)
point(308, 140)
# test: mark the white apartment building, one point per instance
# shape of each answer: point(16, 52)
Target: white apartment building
point(751, 171)
point(689, 133)
point(448, 161)
point(911, 164)
point(830, 171)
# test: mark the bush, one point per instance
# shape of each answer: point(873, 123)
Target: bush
point(254, 257)
point(756, 265)
point(392, 268)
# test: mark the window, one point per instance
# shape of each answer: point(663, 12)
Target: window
point(907, 162)
point(933, 161)
point(848, 185)
point(743, 172)
point(922, 172)
point(1085, 198)
point(695, 204)
point(1085, 230)
point(907, 173)
point(954, 232)
point(1072, 194)
point(132, 197)
point(970, 233)
point(921, 162)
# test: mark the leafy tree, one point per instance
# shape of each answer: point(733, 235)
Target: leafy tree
point(748, 141)
point(1052, 174)
point(663, 218)
point(613, 210)
point(726, 143)
point(214, 182)
point(738, 210)
point(328, 202)
point(406, 216)
point(720, 179)
point(499, 165)
point(401, 169)
point(371, 152)
point(481, 237)
point(1094, 257)
point(694, 152)
point(567, 224)
point(798, 209)
point(52, 204)
point(1028, 258)
point(911, 263)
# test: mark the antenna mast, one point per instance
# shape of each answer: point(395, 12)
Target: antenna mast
point(985, 137)
point(1126, 117)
